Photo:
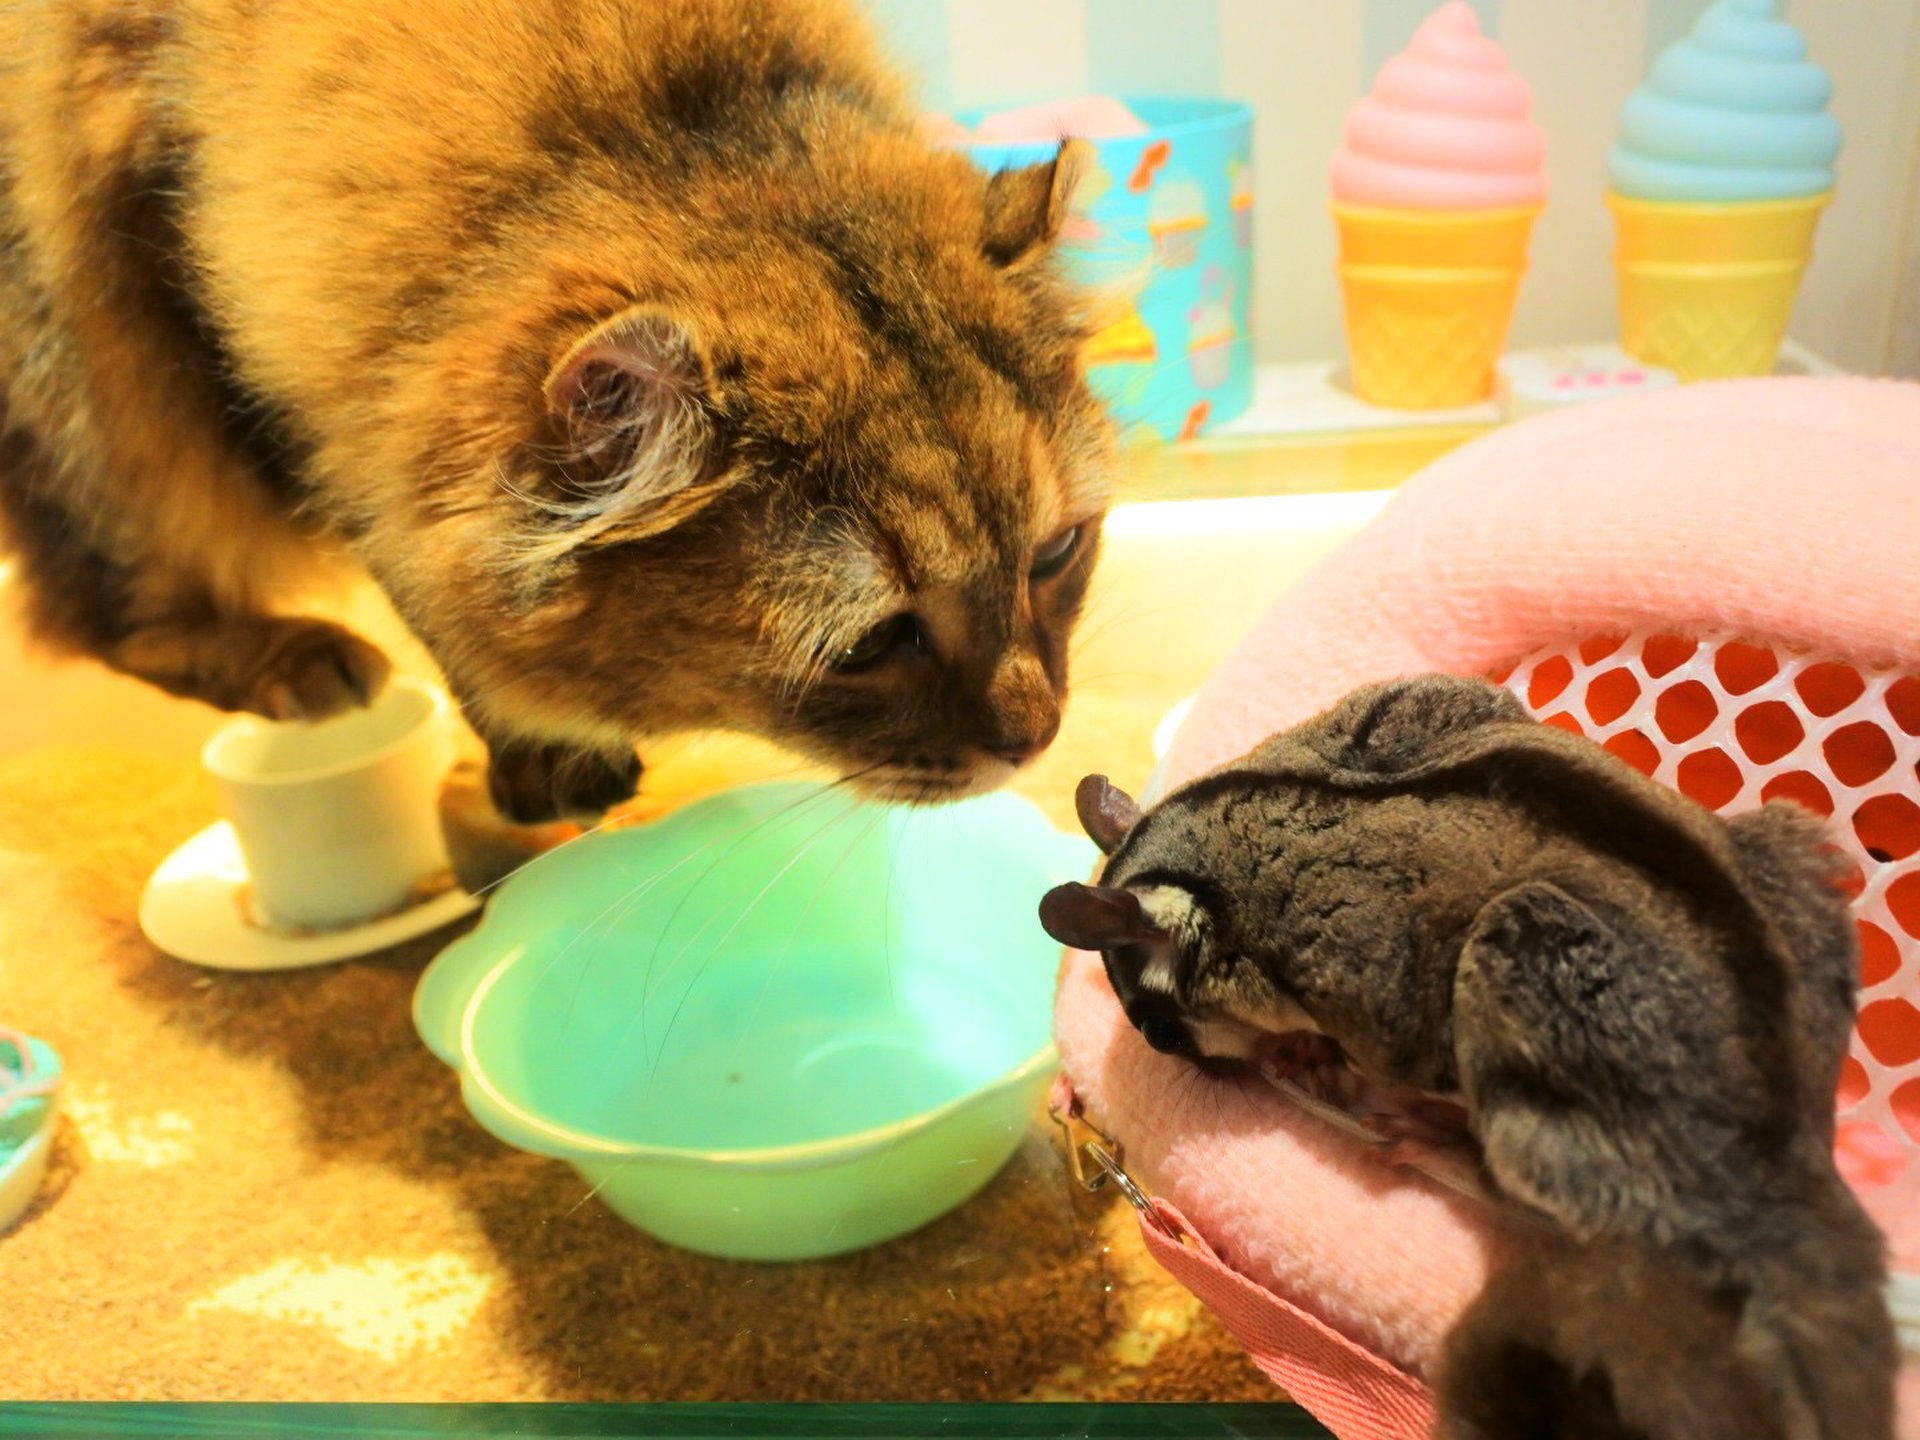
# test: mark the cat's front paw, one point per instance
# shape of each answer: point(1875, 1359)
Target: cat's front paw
point(311, 670)
point(532, 784)
point(284, 667)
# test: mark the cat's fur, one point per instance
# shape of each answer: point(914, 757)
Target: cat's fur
point(1642, 1008)
point(638, 348)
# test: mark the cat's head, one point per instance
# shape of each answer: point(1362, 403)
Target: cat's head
point(819, 464)
point(1168, 928)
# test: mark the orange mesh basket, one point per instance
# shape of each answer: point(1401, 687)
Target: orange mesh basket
point(1733, 725)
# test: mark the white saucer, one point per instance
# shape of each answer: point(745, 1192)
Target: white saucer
point(192, 909)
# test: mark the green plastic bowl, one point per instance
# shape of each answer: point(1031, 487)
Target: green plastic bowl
point(780, 1023)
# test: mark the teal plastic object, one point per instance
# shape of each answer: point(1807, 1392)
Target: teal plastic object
point(777, 1024)
point(1173, 206)
point(29, 1097)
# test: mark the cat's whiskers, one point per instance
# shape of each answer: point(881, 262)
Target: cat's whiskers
point(650, 985)
point(913, 788)
point(617, 913)
point(607, 918)
point(615, 818)
point(793, 935)
point(647, 984)
point(598, 1186)
point(1102, 677)
point(892, 862)
point(893, 865)
point(1100, 616)
point(624, 903)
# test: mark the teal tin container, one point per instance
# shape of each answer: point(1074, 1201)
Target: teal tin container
point(1174, 206)
point(29, 1096)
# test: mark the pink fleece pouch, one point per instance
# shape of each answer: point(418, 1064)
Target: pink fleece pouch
point(1720, 583)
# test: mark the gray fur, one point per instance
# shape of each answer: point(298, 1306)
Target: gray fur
point(1643, 1008)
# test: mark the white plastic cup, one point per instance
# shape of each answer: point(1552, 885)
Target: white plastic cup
point(338, 821)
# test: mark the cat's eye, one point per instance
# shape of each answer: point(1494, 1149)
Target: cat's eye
point(1054, 556)
point(1164, 1034)
point(901, 632)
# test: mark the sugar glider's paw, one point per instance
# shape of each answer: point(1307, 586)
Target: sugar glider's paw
point(1425, 1133)
point(532, 784)
point(1314, 1062)
point(1403, 1115)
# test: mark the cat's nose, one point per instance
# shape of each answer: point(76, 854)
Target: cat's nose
point(1018, 750)
point(1022, 713)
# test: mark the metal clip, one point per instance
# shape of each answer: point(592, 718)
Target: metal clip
point(1110, 1167)
point(1136, 1197)
point(1082, 1138)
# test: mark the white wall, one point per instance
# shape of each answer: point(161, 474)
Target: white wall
point(1906, 338)
point(1303, 62)
point(1906, 308)
point(1848, 304)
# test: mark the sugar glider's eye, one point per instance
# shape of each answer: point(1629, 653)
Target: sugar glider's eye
point(1054, 556)
point(1164, 1034)
point(900, 632)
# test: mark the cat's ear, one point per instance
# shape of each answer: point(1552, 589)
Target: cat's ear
point(1026, 208)
point(1094, 917)
point(633, 402)
point(1106, 814)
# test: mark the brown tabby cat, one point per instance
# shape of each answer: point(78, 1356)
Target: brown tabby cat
point(656, 369)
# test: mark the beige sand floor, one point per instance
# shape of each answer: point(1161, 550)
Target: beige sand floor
point(265, 1188)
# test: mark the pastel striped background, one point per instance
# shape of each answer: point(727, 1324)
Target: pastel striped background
point(1302, 62)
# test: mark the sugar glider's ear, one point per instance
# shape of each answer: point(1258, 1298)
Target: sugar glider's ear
point(1026, 208)
point(632, 400)
point(1106, 814)
point(1094, 917)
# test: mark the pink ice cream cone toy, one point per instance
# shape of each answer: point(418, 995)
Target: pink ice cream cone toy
point(1435, 189)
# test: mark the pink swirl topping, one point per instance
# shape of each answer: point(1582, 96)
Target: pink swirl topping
point(1445, 128)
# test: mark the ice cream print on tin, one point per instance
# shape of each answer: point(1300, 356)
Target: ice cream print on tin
point(1165, 217)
